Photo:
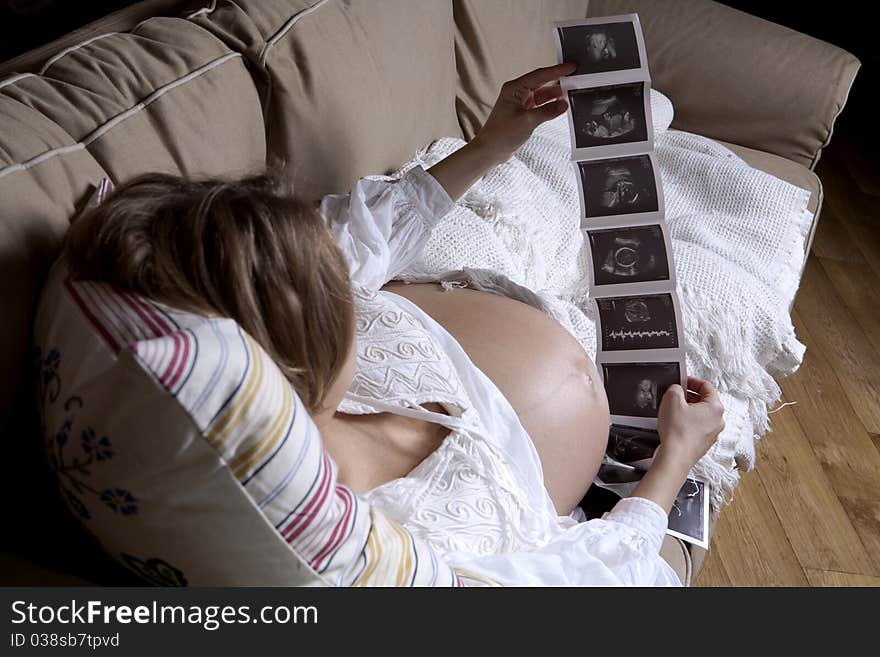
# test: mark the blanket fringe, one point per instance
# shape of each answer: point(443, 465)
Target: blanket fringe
point(724, 480)
point(717, 342)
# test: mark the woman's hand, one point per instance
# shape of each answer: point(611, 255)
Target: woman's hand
point(523, 105)
point(688, 429)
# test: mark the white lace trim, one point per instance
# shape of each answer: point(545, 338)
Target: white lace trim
point(398, 361)
point(464, 496)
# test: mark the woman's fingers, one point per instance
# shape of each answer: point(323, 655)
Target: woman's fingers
point(696, 385)
point(673, 392)
point(541, 76)
point(545, 103)
point(694, 389)
point(709, 393)
point(705, 390)
point(549, 111)
point(532, 89)
point(547, 93)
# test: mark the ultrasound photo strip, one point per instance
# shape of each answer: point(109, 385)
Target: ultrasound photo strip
point(637, 322)
point(620, 478)
point(610, 120)
point(632, 446)
point(618, 191)
point(602, 45)
point(635, 382)
point(689, 517)
point(630, 260)
point(632, 272)
point(635, 389)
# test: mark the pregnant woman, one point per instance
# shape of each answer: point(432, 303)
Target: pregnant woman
point(472, 419)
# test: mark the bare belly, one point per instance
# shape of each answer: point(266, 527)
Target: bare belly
point(542, 371)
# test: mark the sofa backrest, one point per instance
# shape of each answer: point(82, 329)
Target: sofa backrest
point(348, 88)
point(740, 79)
point(497, 40)
point(167, 96)
point(331, 90)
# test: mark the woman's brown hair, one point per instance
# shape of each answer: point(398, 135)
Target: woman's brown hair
point(245, 249)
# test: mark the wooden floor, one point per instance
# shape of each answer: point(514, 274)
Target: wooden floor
point(809, 514)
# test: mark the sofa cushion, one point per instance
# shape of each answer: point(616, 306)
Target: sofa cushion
point(350, 88)
point(167, 97)
point(44, 174)
point(183, 449)
point(498, 40)
point(122, 20)
point(742, 79)
point(787, 170)
point(677, 554)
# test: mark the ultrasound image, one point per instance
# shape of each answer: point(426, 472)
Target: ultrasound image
point(638, 322)
point(629, 255)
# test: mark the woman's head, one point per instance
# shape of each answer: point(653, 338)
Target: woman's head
point(245, 249)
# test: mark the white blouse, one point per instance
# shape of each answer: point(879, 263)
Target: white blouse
point(479, 499)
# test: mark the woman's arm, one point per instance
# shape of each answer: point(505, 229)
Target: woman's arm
point(687, 431)
point(523, 104)
point(381, 226)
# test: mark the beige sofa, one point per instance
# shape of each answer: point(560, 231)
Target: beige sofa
point(340, 90)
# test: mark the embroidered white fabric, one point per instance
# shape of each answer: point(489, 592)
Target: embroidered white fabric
point(479, 498)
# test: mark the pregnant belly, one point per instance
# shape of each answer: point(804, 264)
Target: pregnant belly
point(542, 371)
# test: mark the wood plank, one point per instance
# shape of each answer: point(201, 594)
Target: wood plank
point(846, 156)
point(815, 522)
point(834, 578)
point(832, 239)
point(849, 456)
point(836, 332)
point(760, 537)
point(829, 422)
point(865, 518)
point(844, 194)
point(751, 543)
point(865, 235)
point(859, 289)
point(858, 212)
point(863, 174)
point(713, 573)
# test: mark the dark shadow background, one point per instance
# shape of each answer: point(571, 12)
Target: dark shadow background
point(27, 24)
point(852, 26)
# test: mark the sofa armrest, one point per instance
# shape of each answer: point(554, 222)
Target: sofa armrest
point(741, 79)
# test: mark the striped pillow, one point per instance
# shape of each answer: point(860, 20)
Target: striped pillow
point(180, 445)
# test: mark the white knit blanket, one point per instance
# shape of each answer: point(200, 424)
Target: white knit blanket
point(737, 234)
